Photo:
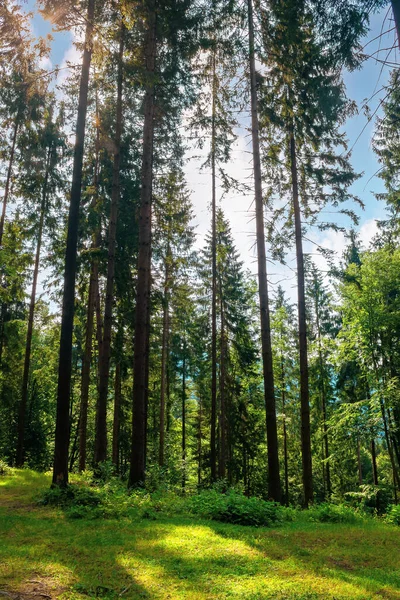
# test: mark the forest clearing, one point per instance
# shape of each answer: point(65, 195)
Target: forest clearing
point(46, 554)
point(200, 299)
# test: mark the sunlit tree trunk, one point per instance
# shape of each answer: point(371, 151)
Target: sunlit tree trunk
point(8, 179)
point(60, 468)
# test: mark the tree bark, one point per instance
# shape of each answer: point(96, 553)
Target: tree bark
point(285, 449)
point(274, 485)
point(8, 179)
point(60, 468)
point(360, 477)
point(29, 334)
point(100, 445)
point(213, 448)
point(184, 416)
point(327, 470)
point(222, 398)
point(373, 460)
point(164, 359)
point(117, 416)
point(142, 324)
point(304, 389)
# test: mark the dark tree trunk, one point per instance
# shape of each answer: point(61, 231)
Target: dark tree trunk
point(28, 346)
point(326, 455)
point(213, 448)
point(274, 485)
point(100, 445)
point(60, 469)
point(164, 360)
point(117, 416)
point(304, 391)
point(285, 449)
point(87, 359)
point(184, 416)
point(360, 477)
point(8, 179)
point(373, 460)
point(142, 325)
point(199, 444)
point(222, 398)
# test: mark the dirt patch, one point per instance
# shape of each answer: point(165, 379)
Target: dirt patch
point(342, 564)
point(34, 589)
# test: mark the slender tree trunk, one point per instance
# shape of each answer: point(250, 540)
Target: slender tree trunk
point(87, 359)
point(60, 469)
point(164, 359)
point(213, 448)
point(199, 444)
point(222, 448)
point(9, 176)
point(396, 480)
point(117, 416)
point(373, 460)
point(304, 390)
point(360, 477)
point(100, 445)
point(32, 305)
point(285, 448)
point(184, 416)
point(327, 470)
point(142, 325)
point(274, 485)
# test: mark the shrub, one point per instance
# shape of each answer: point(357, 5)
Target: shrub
point(393, 515)
point(371, 499)
point(72, 495)
point(4, 468)
point(333, 513)
point(234, 507)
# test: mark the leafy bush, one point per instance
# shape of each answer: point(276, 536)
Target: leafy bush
point(333, 513)
point(371, 499)
point(393, 515)
point(72, 495)
point(234, 507)
point(4, 468)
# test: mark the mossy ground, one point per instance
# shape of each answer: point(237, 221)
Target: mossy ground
point(45, 554)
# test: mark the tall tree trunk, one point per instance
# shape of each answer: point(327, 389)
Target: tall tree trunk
point(32, 305)
point(199, 440)
point(100, 444)
point(396, 480)
point(117, 416)
point(360, 477)
point(326, 455)
point(213, 448)
point(285, 449)
point(60, 469)
point(184, 416)
point(164, 359)
point(9, 176)
point(87, 359)
point(373, 460)
point(222, 398)
point(304, 390)
point(274, 484)
point(142, 325)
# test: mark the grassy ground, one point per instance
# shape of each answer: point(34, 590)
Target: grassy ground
point(45, 555)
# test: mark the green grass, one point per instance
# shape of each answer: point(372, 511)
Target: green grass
point(181, 557)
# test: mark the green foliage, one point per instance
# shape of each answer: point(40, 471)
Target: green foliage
point(234, 507)
point(333, 513)
point(4, 468)
point(393, 515)
point(371, 499)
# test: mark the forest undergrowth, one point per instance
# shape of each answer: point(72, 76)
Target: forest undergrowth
point(96, 540)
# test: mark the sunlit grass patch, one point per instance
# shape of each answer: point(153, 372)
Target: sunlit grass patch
point(182, 557)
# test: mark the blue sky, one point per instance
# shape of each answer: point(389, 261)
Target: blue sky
point(360, 85)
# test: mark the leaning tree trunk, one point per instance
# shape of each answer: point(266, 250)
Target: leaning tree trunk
point(60, 468)
point(304, 391)
point(142, 324)
point(100, 444)
point(32, 305)
point(213, 448)
point(8, 179)
point(274, 487)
